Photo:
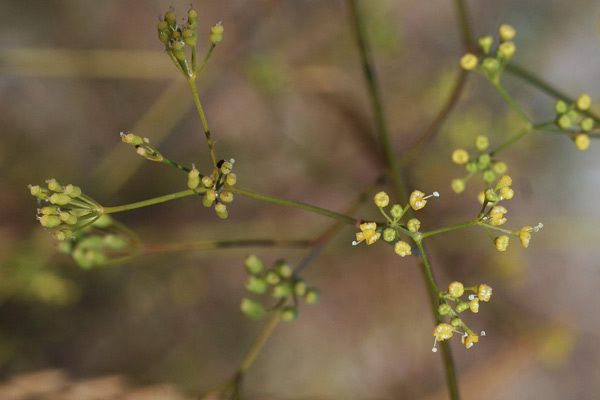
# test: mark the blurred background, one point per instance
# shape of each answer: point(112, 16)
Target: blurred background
point(284, 96)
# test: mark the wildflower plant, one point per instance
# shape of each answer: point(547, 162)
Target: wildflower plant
point(87, 231)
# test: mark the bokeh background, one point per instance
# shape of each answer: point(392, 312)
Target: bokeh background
point(284, 96)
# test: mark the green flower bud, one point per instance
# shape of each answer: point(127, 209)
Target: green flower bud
point(192, 18)
point(178, 50)
point(39, 192)
point(573, 114)
point(193, 178)
point(483, 161)
point(171, 19)
point(413, 225)
point(456, 322)
point(490, 65)
point(289, 313)
point(396, 211)
point(282, 290)
point(499, 167)
point(163, 32)
point(231, 179)
point(62, 234)
point(60, 199)
point(586, 124)
point(226, 167)
point(216, 34)
point(221, 210)
point(491, 196)
point(67, 218)
point(444, 309)
point(72, 191)
point(256, 285)
point(226, 197)
point(481, 142)
point(272, 277)
point(132, 139)
point(253, 264)
point(54, 185)
point(209, 197)
point(299, 287)
point(458, 185)
point(389, 234)
point(488, 176)
point(114, 242)
point(189, 37)
point(560, 107)
point(564, 121)
point(50, 221)
point(485, 42)
point(49, 210)
point(461, 306)
point(312, 296)
point(283, 268)
point(471, 166)
point(252, 308)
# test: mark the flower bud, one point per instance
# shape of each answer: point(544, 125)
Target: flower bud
point(192, 18)
point(458, 185)
point(39, 192)
point(283, 268)
point(163, 32)
point(312, 296)
point(256, 285)
point(178, 50)
point(485, 42)
point(413, 225)
point(221, 210)
point(444, 309)
point(283, 289)
point(289, 313)
point(226, 196)
point(216, 34)
point(253, 264)
point(231, 179)
point(50, 221)
point(583, 102)
point(389, 234)
point(189, 37)
point(396, 211)
point(468, 61)
point(170, 18)
point(461, 306)
point(481, 142)
point(582, 141)
point(193, 178)
point(252, 308)
point(272, 277)
point(300, 287)
point(560, 107)
point(72, 191)
point(60, 199)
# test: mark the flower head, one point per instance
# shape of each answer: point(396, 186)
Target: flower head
point(456, 289)
point(501, 243)
point(484, 292)
point(382, 199)
point(367, 233)
point(418, 199)
point(496, 215)
point(402, 248)
point(468, 61)
point(441, 332)
point(469, 339)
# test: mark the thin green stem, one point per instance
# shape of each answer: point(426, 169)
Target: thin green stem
point(212, 47)
point(512, 140)
point(174, 164)
point(448, 228)
point(144, 203)
point(303, 206)
point(192, 83)
point(259, 342)
point(466, 32)
point(387, 149)
point(511, 103)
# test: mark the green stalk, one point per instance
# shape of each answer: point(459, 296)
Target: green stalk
point(144, 203)
point(259, 342)
point(512, 104)
point(303, 206)
point(192, 83)
point(223, 244)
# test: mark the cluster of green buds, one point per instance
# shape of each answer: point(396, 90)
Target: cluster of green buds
point(391, 232)
point(214, 186)
point(482, 162)
point(176, 37)
point(491, 63)
point(492, 214)
point(142, 146)
point(282, 285)
point(445, 330)
point(571, 119)
point(102, 243)
point(65, 208)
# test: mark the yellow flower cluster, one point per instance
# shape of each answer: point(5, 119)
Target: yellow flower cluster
point(214, 186)
point(492, 64)
point(571, 118)
point(443, 330)
point(482, 161)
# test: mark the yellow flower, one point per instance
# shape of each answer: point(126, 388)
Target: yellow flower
point(417, 200)
point(469, 339)
point(458, 185)
point(501, 242)
point(507, 49)
point(474, 305)
point(582, 141)
point(484, 292)
point(506, 32)
point(481, 142)
point(382, 199)
point(442, 331)
point(460, 156)
point(496, 215)
point(525, 235)
point(367, 233)
point(583, 102)
point(402, 249)
point(468, 61)
point(504, 181)
point(456, 289)
point(506, 193)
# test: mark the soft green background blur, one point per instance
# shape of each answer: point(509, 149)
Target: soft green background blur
point(283, 95)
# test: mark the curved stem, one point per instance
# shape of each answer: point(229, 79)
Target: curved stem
point(259, 342)
point(303, 206)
